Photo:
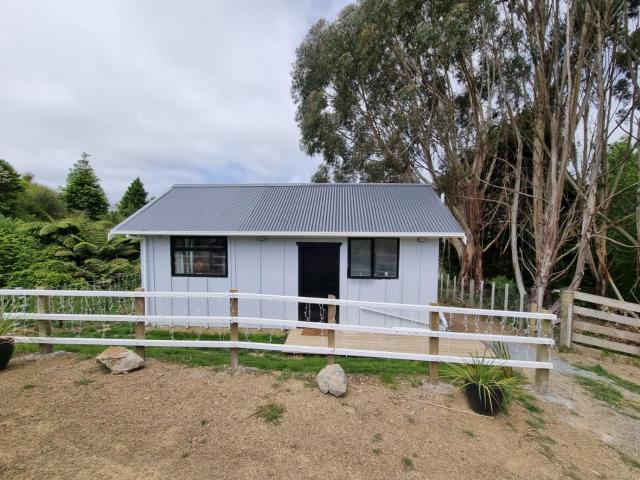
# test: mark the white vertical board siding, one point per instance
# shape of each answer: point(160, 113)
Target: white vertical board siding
point(147, 272)
point(162, 273)
point(144, 271)
point(198, 306)
point(416, 284)
point(290, 249)
point(272, 275)
point(428, 273)
point(247, 276)
point(271, 267)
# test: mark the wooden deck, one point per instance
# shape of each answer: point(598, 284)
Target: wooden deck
point(389, 343)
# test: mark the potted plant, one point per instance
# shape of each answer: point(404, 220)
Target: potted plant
point(8, 328)
point(488, 388)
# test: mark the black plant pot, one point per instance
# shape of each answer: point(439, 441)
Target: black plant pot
point(6, 350)
point(478, 399)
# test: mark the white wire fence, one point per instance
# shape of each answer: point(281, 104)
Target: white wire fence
point(484, 294)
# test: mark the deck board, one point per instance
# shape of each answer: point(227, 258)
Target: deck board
point(389, 343)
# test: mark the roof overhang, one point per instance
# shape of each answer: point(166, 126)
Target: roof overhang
point(290, 234)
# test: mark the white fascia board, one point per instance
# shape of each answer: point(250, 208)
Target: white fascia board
point(295, 234)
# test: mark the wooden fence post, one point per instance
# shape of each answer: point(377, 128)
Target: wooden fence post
point(566, 318)
point(434, 346)
point(44, 326)
point(233, 312)
point(331, 334)
point(542, 355)
point(139, 310)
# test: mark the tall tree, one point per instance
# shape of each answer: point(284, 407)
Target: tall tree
point(398, 91)
point(83, 191)
point(572, 48)
point(134, 198)
point(10, 187)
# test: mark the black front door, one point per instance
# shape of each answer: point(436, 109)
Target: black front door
point(319, 276)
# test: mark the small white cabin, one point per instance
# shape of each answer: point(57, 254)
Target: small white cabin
point(374, 242)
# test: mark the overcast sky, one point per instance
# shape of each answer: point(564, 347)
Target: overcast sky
point(171, 91)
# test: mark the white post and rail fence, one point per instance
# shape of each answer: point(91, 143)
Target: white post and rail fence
point(606, 323)
point(535, 336)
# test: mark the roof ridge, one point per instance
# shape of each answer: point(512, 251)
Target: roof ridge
point(206, 185)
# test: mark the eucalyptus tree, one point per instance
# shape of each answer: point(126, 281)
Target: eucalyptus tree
point(579, 98)
point(398, 91)
point(508, 107)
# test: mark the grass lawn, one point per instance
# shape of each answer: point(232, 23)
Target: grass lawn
point(267, 360)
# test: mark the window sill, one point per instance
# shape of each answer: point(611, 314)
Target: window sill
point(198, 275)
point(373, 278)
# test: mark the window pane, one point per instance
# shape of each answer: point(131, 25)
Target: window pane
point(218, 262)
point(386, 257)
point(199, 242)
point(206, 256)
point(360, 258)
point(182, 262)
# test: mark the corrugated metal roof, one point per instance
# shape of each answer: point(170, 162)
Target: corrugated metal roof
point(295, 209)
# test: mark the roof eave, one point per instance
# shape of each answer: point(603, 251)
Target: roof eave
point(460, 235)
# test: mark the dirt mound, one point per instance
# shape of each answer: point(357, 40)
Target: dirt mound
point(63, 418)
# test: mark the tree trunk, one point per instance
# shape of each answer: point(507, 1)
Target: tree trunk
point(469, 205)
point(471, 261)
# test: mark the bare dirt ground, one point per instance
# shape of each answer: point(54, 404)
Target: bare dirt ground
point(62, 417)
point(618, 427)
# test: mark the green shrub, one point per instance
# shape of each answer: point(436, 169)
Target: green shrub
point(487, 378)
point(72, 251)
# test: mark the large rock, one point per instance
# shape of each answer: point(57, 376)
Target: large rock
point(120, 360)
point(333, 380)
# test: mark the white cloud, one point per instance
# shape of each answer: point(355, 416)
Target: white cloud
point(171, 91)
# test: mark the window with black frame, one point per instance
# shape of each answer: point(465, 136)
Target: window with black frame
point(199, 256)
point(373, 257)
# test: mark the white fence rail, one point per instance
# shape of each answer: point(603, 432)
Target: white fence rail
point(540, 339)
point(281, 298)
point(248, 322)
point(300, 349)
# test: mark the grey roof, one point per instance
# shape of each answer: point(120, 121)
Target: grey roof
point(295, 209)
